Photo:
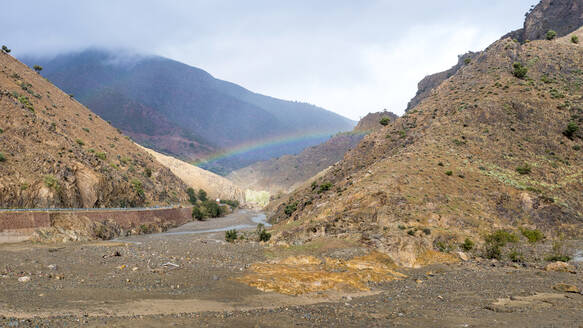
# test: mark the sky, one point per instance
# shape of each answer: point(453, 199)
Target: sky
point(351, 57)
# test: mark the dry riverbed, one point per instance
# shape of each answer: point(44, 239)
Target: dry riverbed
point(189, 277)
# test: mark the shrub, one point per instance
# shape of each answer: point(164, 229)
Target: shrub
point(290, 208)
point(427, 231)
point(467, 60)
point(533, 236)
point(448, 173)
point(191, 196)
point(519, 70)
point(26, 102)
point(324, 187)
point(101, 155)
point(2, 157)
point(575, 39)
point(385, 121)
point(148, 172)
point(232, 203)
point(468, 245)
point(80, 142)
point(571, 129)
point(5, 49)
point(558, 258)
point(212, 209)
point(263, 235)
point(197, 213)
point(497, 240)
point(51, 182)
point(202, 195)
point(515, 256)
point(551, 34)
point(231, 235)
point(525, 169)
point(37, 68)
point(138, 187)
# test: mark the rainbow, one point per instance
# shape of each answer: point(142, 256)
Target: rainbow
point(268, 142)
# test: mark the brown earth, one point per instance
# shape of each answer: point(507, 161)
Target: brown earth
point(187, 279)
point(486, 151)
point(57, 153)
point(216, 186)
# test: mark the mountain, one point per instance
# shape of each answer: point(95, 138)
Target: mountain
point(216, 186)
point(498, 145)
point(181, 110)
point(54, 152)
point(562, 16)
point(285, 173)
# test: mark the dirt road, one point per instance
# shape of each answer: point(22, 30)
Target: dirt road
point(185, 277)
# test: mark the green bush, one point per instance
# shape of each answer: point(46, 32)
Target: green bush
point(448, 173)
point(495, 242)
point(385, 121)
point(212, 209)
point(231, 235)
point(427, 231)
point(571, 129)
point(263, 235)
point(197, 213)
point(202, 195)
point(290, 208)
point(468, 245)
point(26, 102)
point(575, 39)
point(138, 187)
point(148, 172)
point(191, 196)
point(37, 68)
point(2, 157)
point(519, 70)
point(230, 202)
point(558, 258)
point(551, 34)
point(5, 49)
point(80, 142)
point(101, 155)
point(467, 60)
point(525, 169)
point(516, 256)
point(324, 187)
point(533, 236)
point(51, 182)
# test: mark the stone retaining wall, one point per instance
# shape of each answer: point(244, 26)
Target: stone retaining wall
point(16, 226)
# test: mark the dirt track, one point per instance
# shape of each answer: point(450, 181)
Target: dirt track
point(186, 279)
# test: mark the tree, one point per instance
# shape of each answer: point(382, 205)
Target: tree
point(551, 34)
point(37, 68)
point(191, 196)
point(5, 49)
point(519, 70)
point(202, 195)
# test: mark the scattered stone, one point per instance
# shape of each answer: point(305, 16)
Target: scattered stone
point(24, 279)
point(566, 288)
point(135, 269)
point(52, 267)
point(463, 256)
point(560, 267)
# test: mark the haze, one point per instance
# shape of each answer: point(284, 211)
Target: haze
point(351, 57)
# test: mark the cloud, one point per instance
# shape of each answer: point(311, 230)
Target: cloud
point(351, 57)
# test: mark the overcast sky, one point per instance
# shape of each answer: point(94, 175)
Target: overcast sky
point(351, 57)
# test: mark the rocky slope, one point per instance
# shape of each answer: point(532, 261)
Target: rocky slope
point(57, 153)
point(184, 111)
point(284, 174)
point(562, 16)
point(487, 150)
point(216, 186)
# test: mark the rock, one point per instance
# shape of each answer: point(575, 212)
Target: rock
point(566, 288)
point(560, 267)
point(463, 256)
point(52, 267)
point(24, 279)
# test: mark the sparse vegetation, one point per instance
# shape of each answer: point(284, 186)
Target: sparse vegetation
point(520, 70)
point(37, 68)
point(290, 208)
point(467, 245)
point(551, 34)
point(138, 187)
point(26, 102)
point(51, 182)
point(202, 195)
point(495, 242)
point(449, 173)
point(525, 169)
point(101, 155)
point(80, 142)
point(571, 129)
point(2, 157)
point(533, 236)
point(230, 202)
point(262, 233)
point(148, 172)
point(467, 60)
point(575, 39)
point(385, 121)
point(231, 235)
point(324, 187)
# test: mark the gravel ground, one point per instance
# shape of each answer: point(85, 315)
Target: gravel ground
point(186, 280)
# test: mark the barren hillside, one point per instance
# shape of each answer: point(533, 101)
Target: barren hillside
point(496, 145)
point(57, 153)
